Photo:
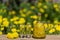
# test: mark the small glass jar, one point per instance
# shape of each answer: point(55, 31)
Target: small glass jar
point(28, 30)
point(39, 31)
point(22, 30)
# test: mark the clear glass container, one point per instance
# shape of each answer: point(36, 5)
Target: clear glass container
point(28, 30)
point(22, 30)
point(39, 31)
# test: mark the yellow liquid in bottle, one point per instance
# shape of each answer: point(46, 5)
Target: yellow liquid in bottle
point(39, 31)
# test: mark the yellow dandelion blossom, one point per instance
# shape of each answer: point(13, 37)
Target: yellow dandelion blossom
point(0, 19)
point(45, 25)
point(15, 18)
point(21, 21)
point(31, 29)
point(55, 5)
point(29, 12)
point(13, 12)
point(52, 30)
point(41, 10)
point(57, 27)
point(34, 16)
point(55, 21)
point(18, 30)
point(32, 7)
point(46, 15)
point(23, 15)
point(35, 21)
point(39, 4)
point(6, 23)
point(2, 28)
point(24, 10)
point(15, 35)
point(1, 10)
point(0, 33)
point(13, 30)
point(57, 9)
point(16, 22)
point(10, 36)
point(5, 19)
point(4, 10)
point(22, 26)
point(45, 7)
point(11, 20)
point(50, 26)
point(9, 12)
point(21, 11)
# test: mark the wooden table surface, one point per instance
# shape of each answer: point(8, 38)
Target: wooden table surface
point(48, 37)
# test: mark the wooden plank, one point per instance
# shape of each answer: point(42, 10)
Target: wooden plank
point(48, 37)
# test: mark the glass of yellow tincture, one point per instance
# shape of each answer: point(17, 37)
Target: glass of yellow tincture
point(39, 30)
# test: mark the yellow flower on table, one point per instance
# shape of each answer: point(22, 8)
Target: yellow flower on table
point(0, 33)
point(52, 30)
point(15, 35)
point(10, 36)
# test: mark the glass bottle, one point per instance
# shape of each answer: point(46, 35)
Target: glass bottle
point(39, 30)
point(22, 30)
point(28, 30)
